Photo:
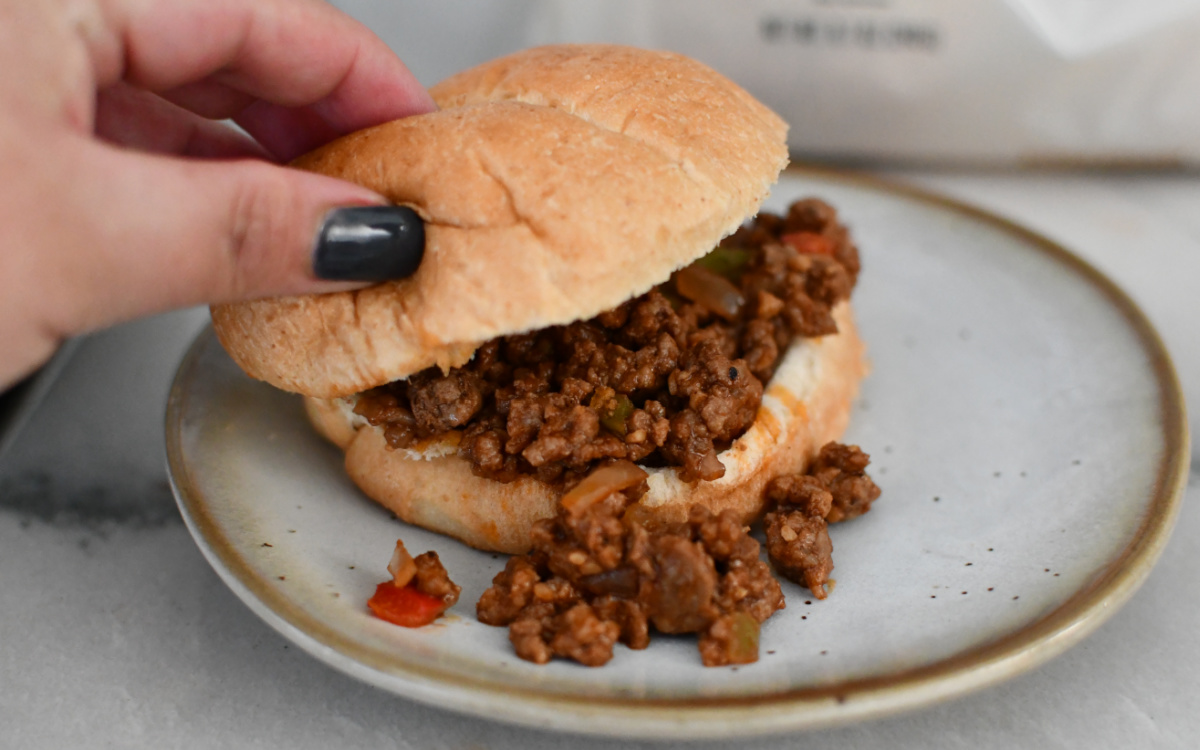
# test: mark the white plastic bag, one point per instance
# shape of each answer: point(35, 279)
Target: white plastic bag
point(935, 81)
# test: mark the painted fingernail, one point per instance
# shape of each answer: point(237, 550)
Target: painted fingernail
point(369, 243)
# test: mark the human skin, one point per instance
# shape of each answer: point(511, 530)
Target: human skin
point(121, 193)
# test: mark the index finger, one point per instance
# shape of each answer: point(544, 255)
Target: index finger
point(316, 72)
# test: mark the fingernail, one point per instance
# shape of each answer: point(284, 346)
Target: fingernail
point(369, 243)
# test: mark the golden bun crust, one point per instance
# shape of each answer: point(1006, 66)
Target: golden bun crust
point(555, 184)
point(805, 405)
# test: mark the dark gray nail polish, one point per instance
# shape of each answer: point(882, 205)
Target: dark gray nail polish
point(369, 243)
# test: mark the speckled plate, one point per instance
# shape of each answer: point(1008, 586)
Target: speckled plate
point(1026, 427)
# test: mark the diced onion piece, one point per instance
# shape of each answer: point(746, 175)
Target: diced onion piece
point(401, 566)
point(744, 643)
point(601, 483)
point(710, 290)
point(808, 243)
point(711, 468)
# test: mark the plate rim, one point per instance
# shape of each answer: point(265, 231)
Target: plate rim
point(788, 709)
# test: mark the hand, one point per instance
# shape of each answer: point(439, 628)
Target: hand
point(121, 195)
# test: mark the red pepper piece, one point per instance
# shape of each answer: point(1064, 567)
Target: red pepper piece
point(809, 243)
point(404, 605)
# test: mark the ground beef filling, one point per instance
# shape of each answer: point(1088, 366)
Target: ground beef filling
point(594, 579)
point(836, 488)
point(670, 378)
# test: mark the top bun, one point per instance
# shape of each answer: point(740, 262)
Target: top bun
point(555, 184)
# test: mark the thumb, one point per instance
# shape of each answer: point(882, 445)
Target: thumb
point(164, 232)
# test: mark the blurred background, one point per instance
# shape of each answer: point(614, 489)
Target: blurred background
point(990, 82)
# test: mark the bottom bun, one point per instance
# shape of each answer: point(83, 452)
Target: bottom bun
point(805, 405)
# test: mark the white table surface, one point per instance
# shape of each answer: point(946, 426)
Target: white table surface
point(114, 632)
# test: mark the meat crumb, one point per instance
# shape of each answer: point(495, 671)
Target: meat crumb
point(432, 579)
point(595, 578)
point(836, 488)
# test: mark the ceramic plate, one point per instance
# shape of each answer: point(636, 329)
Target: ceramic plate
point(1025, 425)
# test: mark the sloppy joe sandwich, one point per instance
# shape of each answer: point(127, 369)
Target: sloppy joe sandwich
point(593, 291)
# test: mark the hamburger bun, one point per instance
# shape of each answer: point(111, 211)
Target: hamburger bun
point(555, 184)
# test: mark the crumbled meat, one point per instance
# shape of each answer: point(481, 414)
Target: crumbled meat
point(580, 635)
point(690, 446)
point(443, 402)
point(721, 391)
point(746, 583)
point(723, 536)
point(749, 587)
point(511, 592)
point(629, 616)
point(594, 577)
point(802, 492)
point(543, 631)
point(836, 488)
point(818, 217)
point(760, 341)
point(527, 634)
point(650, 316)
point(387, 407)
point(691, 378)
point(526, 417)
point(842, 468)
point(433, 579)
point(800, 548)
point(483, 445)
point(584, 544)
point(681, 599)
point(564, 432)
